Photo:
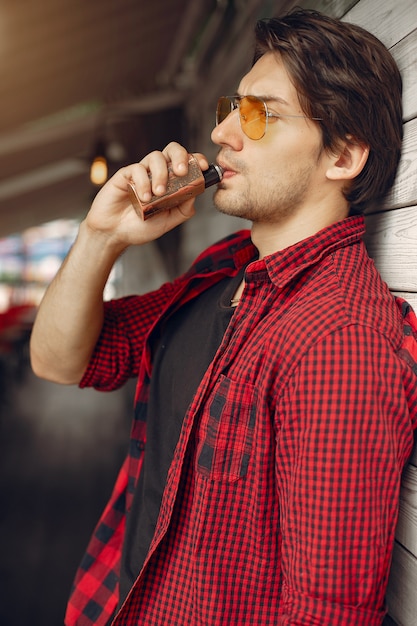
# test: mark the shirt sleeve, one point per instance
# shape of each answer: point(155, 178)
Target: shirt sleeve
point(118, 352)
point(344, 434)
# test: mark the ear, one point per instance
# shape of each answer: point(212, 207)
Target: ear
point(349, 160)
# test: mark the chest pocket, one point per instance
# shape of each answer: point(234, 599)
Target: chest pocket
point(226, 431)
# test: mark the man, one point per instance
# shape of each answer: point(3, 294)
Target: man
point(275, 378)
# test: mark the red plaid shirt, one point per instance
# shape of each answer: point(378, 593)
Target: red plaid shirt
point(282, 498)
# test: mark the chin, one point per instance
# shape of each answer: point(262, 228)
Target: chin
point(232, 211)
point(241, 211)
point(234, 207)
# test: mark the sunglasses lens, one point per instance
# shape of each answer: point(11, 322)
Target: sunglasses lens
point(252, 114)
point(224, 107)
point(252, 117)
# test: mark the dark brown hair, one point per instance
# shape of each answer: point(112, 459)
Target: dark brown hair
point(346, 76)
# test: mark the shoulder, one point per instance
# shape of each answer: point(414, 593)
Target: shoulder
point(347, 289)
point(343, 302)
point(365, 296)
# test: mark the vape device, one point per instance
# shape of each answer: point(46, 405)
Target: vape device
point(179, 188)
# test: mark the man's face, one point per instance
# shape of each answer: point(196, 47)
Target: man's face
point(269, 179)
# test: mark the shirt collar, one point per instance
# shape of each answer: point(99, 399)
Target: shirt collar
point(284, 265)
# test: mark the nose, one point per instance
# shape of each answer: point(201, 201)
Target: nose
point(228, 132)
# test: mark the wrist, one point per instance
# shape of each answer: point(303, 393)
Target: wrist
point(91, 259)
point(99, 244)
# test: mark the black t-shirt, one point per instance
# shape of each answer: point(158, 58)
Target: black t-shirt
point(185, 348)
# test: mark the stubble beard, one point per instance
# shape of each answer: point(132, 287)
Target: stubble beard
point(267, 205)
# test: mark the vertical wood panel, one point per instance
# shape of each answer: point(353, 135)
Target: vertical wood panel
point(389, 20)
point(406, 532)
point(405, 54)
point(404, 191)
point(402, 595)
point(391, 240)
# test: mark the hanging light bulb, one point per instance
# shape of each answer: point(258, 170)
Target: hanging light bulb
point(99, 169)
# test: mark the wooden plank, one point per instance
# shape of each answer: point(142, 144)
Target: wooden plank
point(406, 532)
point(334, 8)
point(390, 20)
point(391, 240)
point(405, 54)
point(404, 191)
point(401, 592)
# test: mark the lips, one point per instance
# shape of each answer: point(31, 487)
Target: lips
point(227, 170)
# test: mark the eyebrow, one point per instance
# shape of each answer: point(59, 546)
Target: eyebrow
point(267, 99)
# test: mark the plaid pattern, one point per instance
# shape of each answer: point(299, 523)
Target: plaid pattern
point(282, 498)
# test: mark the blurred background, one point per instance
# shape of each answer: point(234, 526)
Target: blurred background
point(85, 82)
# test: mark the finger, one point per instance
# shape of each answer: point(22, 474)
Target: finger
point(178, 157)
point(156, 169)
point(149, 176)
point(202, 160)
point(167, 220)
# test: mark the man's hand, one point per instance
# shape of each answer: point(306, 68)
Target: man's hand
point(70, 317)
point(112, 213)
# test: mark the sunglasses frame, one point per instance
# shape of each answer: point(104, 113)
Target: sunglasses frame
point(234, 103)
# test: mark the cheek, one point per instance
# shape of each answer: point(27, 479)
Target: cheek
point(280, 147)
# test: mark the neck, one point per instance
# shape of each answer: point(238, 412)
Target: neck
point(272, 237)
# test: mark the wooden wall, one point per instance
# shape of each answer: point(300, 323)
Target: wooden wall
point(392, 241)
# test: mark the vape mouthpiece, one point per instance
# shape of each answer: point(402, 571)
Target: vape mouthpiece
point(212, 175)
